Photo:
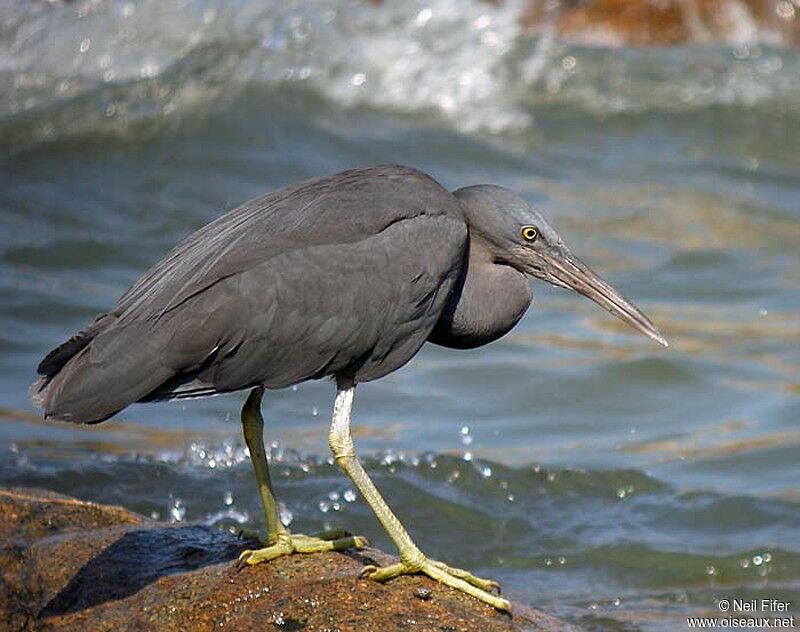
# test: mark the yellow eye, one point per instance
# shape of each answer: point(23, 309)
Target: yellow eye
point(529, 233)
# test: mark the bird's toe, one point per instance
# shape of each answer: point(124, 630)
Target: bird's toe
point(488, 585)
point(486, 590)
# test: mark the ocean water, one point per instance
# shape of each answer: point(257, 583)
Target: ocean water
point(597, 475)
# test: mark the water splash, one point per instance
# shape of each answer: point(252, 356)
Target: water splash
point(126, 68)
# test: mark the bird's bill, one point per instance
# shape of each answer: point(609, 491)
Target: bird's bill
point(570, 272)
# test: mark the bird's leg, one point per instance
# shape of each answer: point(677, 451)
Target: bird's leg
point(279, 540)
point(253, 430)
point(412, 560)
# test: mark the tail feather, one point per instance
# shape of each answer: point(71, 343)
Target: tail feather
point(54, 361)
point(114, 367)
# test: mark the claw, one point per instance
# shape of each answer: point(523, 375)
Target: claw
point(368, 570)
point(241, 563)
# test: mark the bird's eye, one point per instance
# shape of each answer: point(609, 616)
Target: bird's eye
point(529, 233)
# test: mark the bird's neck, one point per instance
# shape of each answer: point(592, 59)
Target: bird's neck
point(488, 300)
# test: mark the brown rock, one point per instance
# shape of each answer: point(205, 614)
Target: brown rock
point(666, 22)
point(72, 565)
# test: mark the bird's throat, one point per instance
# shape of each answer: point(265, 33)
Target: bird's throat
point(485, 304)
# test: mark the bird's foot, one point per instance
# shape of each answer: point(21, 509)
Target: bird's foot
point(286, 544)
point(486, 590)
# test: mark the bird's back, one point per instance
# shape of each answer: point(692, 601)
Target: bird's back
point(342, 274)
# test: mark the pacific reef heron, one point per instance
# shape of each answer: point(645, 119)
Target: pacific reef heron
point(345, 276)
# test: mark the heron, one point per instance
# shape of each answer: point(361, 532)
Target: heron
point(345, 277)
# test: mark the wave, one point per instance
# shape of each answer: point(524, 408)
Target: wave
point(579, 542)
point(119, 67)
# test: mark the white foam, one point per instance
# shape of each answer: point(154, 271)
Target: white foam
point(463, 62)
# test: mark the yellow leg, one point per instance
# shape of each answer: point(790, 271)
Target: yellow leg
point(279, 540)
point(412, 560)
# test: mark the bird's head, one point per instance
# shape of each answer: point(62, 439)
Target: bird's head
point(516, 234)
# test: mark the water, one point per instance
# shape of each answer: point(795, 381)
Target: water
point(595, 474)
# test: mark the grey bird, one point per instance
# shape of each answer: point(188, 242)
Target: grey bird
point(344, 276)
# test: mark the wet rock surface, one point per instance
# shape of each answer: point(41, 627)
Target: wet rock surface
point(66, 564)
point(666, 22)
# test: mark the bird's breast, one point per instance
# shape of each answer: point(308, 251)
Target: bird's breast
point(486, 303)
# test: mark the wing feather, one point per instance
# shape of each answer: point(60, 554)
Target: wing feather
point(339, 275)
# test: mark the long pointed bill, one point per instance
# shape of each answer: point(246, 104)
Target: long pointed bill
point(569, 271)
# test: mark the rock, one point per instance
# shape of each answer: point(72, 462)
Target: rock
point(66, 564)
point(666, 22)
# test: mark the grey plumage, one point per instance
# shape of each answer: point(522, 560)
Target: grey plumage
point(346, 275)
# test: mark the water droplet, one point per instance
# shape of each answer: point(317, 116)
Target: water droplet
point(562, 560)
point(358, 79)
point(745, 563)
point(486, 472)
point(785, 10)
point(467, 456)
point(324, 506)
point(177, 512)
point(148, 71)
point(621, 493)
point(285, 515)
point(758, 560)
point(349, 495)
point(464, 430)
point(85, 44)
point(333, 495)
point(482, 22)
point(314, 411)
point(767, 558)
point(711, 570)
point(423, 17)
point(741, 52)
point(227, 498)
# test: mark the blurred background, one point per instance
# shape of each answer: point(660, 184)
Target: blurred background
point(597, 475)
